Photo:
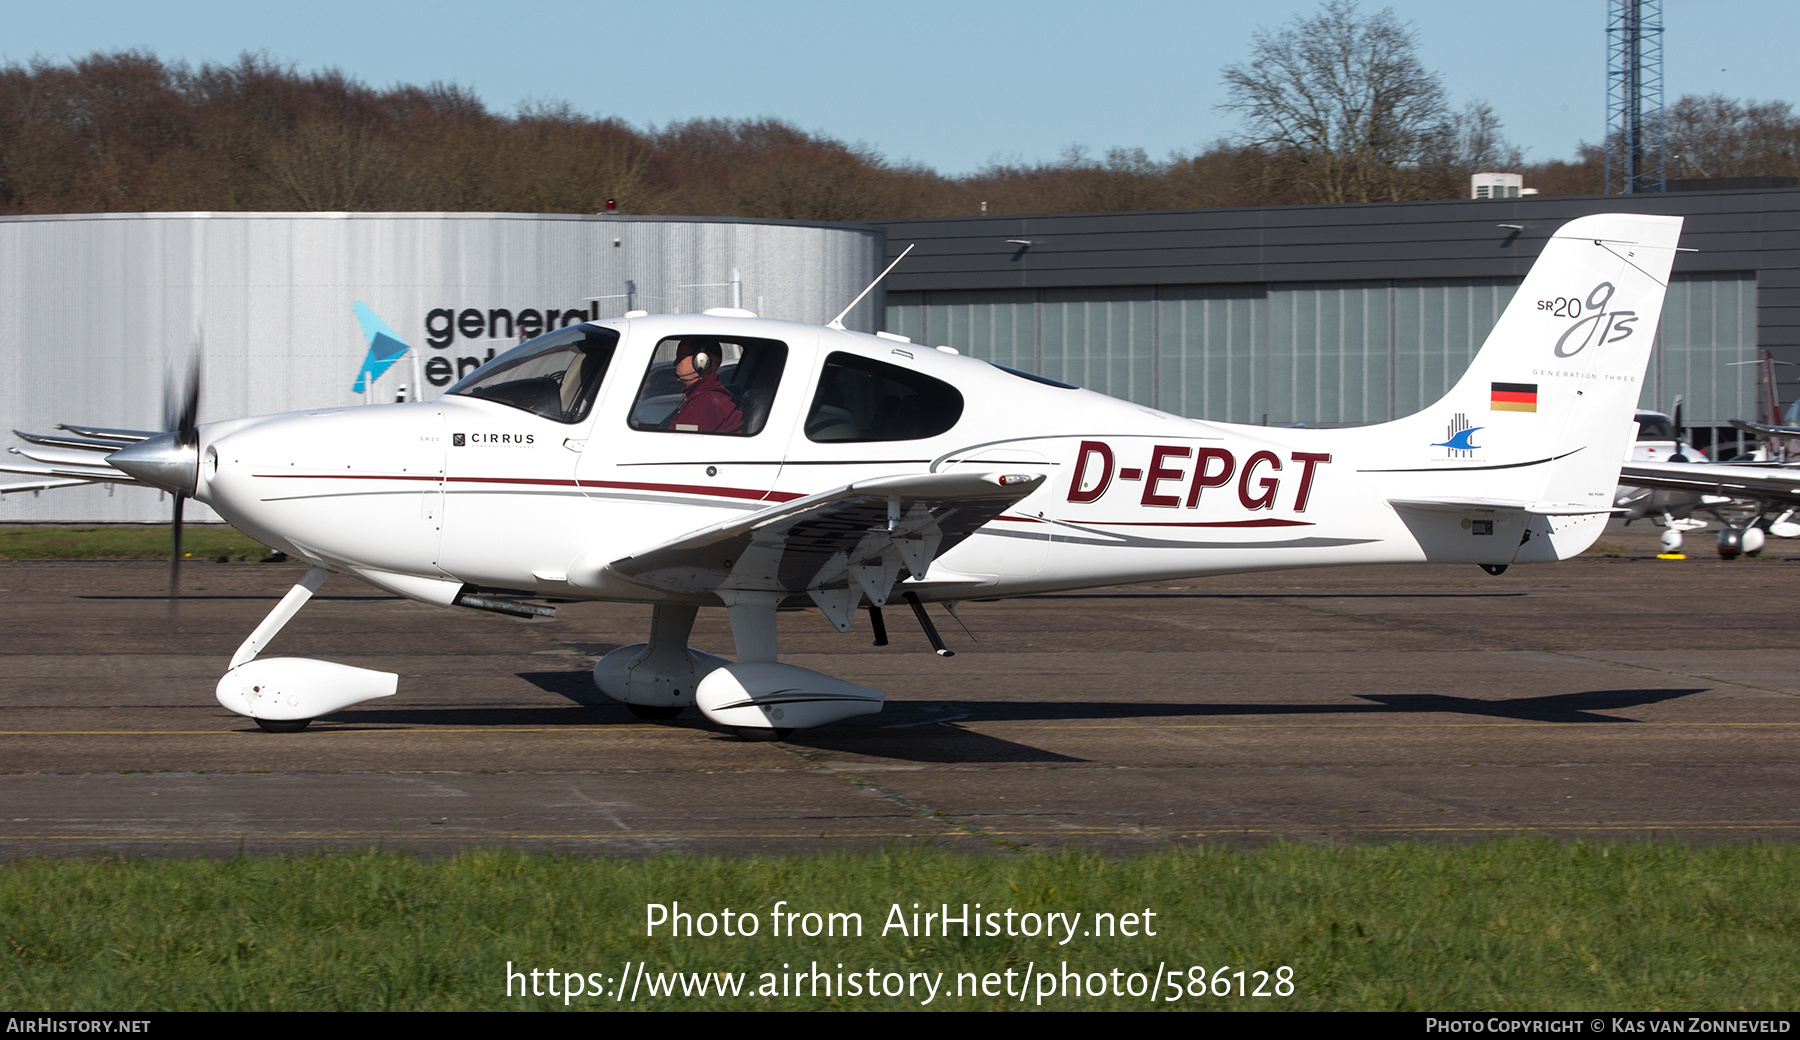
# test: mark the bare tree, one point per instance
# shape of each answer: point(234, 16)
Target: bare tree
point(1344, 98)
point(1479, 144)
point(1717, 136)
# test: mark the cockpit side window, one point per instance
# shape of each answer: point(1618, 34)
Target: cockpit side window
point(861, 399)
point(721, 385)
point(556, 375)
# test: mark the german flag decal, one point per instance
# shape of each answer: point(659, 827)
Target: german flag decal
point(1515, 397)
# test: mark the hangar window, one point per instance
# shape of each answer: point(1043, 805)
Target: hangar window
point(861, 399)
point(710, 384)
point(556, 376)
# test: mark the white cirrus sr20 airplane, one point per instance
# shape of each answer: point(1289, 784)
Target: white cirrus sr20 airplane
point(722, 460)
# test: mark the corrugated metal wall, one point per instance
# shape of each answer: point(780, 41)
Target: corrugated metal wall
point(1334, 352)
point(95, 309)
point(1449, 265)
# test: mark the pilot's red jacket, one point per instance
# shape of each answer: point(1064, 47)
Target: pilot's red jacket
point(707, 407)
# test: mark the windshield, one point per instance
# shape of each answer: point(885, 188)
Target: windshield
point(1654, 426)
point(556, 375)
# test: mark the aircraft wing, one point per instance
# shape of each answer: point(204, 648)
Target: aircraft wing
point(834, 546)
point(1766, 429)
point(63, 474)
point(69, 459)
point(1767, 484)
point(44, 484)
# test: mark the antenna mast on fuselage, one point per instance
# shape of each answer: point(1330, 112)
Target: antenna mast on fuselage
point(838, 322)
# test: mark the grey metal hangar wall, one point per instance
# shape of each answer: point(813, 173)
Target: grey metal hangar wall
point(97, 310)
point(1331, 314)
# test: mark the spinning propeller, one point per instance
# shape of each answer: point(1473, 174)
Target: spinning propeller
point(1680, 434)
point(181, 407)
point(171, 461)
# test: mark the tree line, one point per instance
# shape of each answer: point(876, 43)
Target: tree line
point(127, 131)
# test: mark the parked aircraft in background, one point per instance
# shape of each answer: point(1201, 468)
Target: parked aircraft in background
point(1741, 494)
point(723, 460)
point(1661, 438)
point(1769, 490)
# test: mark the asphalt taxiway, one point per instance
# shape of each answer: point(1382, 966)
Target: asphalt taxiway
point(1614, 696)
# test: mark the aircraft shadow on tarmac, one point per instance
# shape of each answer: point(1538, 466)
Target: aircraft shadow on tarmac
point(929, 731)
point(1267, 595)
point(270, 597)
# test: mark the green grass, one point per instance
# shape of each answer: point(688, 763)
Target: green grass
point(1510, 925)
point(125, 542)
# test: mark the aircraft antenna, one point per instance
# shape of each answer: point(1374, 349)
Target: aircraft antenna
point(838, 322)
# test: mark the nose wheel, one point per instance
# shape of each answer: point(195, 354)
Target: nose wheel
point(284, 694)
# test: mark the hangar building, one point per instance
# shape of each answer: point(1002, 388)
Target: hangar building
point(97, 309)
point(1331, 314)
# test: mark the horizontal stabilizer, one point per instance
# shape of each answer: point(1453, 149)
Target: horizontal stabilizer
point(1495, 505)
point(849, 542)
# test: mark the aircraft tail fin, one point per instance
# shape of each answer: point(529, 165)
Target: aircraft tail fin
point(1544, 416)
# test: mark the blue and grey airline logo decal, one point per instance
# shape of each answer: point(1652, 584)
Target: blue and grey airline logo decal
point(1459, 442)
point(1593, 324)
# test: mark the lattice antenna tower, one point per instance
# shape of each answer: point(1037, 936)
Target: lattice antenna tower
point(1636, 154)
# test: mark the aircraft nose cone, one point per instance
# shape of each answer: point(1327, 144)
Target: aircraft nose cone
point(161, 461)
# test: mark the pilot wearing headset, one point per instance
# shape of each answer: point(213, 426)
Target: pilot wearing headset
point(706, 407)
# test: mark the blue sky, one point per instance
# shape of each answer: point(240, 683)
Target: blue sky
point(950, 85)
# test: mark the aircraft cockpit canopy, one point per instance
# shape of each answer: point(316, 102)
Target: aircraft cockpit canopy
point(862, 399)
point(556, 375)
point(1655, 426)
point(729, 385)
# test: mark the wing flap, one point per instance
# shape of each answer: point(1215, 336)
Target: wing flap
point(1765, 428)
point(834, 545)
